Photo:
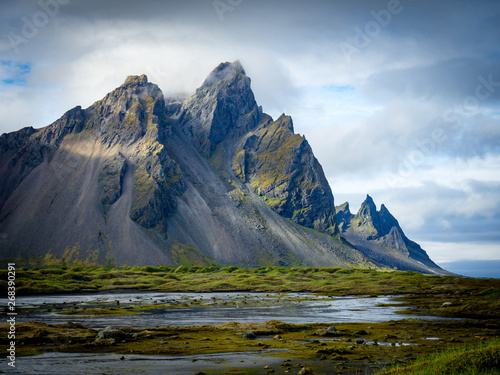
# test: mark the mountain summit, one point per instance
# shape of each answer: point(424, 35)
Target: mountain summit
point(140, 180)
point(223, 104)
point(377, 234)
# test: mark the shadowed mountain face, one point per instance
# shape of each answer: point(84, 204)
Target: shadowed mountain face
point(95, 181)
point(137, 180)
point(378, 235)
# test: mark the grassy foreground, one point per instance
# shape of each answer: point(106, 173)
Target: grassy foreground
point(353, 348)
point(481, 359)
point(410, 346)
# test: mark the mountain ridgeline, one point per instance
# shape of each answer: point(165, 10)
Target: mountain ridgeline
point(139, 179)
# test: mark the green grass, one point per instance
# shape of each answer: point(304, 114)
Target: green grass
point(467, 297)
point(429, 295)
point(482, 359)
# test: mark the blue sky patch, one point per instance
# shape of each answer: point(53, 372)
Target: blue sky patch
point(339, 88)
point(13, 73)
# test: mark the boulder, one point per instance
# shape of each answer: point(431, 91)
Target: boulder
point(249, 335)
point(305, 371)
point(332, 329)
point(321, 332)
point(111, 333)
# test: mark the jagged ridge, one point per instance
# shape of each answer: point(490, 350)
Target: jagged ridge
point(378, 235)
point(138, 181)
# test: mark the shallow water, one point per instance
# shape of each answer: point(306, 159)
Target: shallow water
point(212, 308)
point(190, 309)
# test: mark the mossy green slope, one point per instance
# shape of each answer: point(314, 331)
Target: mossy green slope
point(481, 359)
point(280, 167)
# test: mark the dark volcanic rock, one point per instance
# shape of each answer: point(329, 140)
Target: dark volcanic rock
point(249, 335)
point(139, 180)
point(111, 178)
point(133, 117)
point(280, 167)
point(224, 104)
point(378, 235)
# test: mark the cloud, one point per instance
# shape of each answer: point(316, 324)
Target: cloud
point(400, 118)
point(453, 80)
point(449, 211)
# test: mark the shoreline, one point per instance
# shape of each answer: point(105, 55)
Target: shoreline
point(322, 346)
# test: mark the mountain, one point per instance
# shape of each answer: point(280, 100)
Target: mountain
point(140, 178)
point(377, 234)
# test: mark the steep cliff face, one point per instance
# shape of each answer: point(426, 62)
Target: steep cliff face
point(378, 235)
point(133, 119)
point(223, 104)
point(137, 179)
point(220, 123)
point(277, 164)
point(280, 167)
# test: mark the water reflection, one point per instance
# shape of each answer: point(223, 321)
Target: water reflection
point(182, 309)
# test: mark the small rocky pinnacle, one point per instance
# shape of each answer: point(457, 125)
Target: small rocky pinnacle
point(136, 80)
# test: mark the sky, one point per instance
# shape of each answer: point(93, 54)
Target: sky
point(399, 99)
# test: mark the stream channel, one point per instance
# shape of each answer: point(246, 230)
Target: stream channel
point(186, 309)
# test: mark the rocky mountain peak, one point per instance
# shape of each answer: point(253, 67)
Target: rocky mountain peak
point(369, 200)
point(367, 218)
point(368, 208)
point(375, 223)
point(344, 216)
point(286, 121)
point(280, 166)
point(224, 73)
point(380, 236)
point(224, 105)
point(136, 80)
point(128, 113)
point(142, 180)
point(344, 208)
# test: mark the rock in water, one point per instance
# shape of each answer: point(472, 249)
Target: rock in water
point(249, 335)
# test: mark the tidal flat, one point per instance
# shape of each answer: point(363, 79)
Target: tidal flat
point(412, 329)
